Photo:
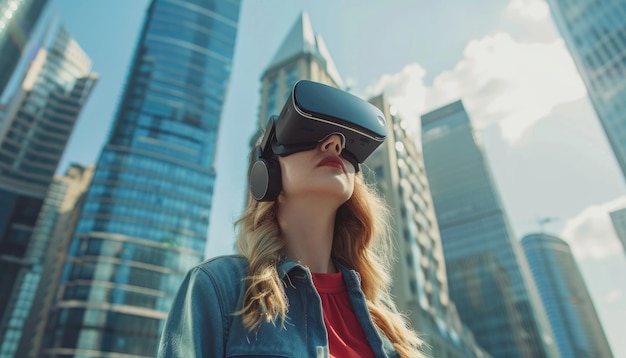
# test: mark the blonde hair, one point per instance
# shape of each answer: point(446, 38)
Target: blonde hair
point(362, 243)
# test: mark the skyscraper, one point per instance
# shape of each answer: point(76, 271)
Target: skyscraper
point(618, 217)
point(144, 221)
point(472, 276)
point(301, 56)
point(567, 302)
point(17, 20)
point(45, 252)
point(478, 242)
point(420, 286)
point(37, 124)
point(595, 34)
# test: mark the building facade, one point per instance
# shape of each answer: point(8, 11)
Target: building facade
point(420, 286)
point(577, 328)
point(485, 264)
point(595, 34)
point(37, 125)
point(144, 221)
point(17, 20)
point(618, 217)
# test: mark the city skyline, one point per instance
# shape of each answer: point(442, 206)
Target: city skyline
point(560, 166)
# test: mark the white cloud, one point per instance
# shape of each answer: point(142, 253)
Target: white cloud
point(590, 234)
point(500, 80)
point(613, 296)
point(528, 10)
point(406, 92)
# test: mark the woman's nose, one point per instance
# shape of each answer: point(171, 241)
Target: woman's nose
point(333, 144)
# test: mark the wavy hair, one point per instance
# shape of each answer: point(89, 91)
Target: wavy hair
point(361, 242)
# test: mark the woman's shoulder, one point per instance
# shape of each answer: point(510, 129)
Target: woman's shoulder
point(223, 276)
point(225, 268)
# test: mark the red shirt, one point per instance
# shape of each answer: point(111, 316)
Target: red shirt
point(346, 337)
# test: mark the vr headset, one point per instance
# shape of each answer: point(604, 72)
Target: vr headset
point(312, 113)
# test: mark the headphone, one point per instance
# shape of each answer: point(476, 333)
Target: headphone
point(265, 178)
point(265, 181)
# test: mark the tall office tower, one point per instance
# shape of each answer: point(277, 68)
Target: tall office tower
point(567, 302)
point(144, 221)
point(595, 34)
point(17, 20)
point(618, 217)
point(420, 286)
point(38, 123)
point(37, 281)
point(302, 56)
point(485, 264)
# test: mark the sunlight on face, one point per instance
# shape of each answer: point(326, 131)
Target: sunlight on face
point(318, 173)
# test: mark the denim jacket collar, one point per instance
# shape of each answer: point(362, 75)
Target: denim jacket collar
point(286, 265)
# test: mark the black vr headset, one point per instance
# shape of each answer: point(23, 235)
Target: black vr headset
point(312, 113)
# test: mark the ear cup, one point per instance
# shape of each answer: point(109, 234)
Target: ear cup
point(265, 179)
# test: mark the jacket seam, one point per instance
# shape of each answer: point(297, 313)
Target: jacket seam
point(220, 299)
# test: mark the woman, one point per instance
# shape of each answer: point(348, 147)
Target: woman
point(295, 291)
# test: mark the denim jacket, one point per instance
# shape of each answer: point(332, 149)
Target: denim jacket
point(202, 323)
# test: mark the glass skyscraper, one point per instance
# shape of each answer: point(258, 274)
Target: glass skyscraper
point(51, 238)
point(595, 34)
point(420, 285)
point(144, 221)
point(36, 126)
point(39, 278)
point(17, 20)
point(577, 328)
point(486, 268)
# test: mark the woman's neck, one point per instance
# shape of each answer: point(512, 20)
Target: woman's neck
point(307, 228)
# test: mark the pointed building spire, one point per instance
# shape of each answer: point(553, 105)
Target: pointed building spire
point(300, 40)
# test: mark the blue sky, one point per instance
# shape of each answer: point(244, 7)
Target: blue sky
point(547, 152)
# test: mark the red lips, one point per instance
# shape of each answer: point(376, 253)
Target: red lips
point(331, 161)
